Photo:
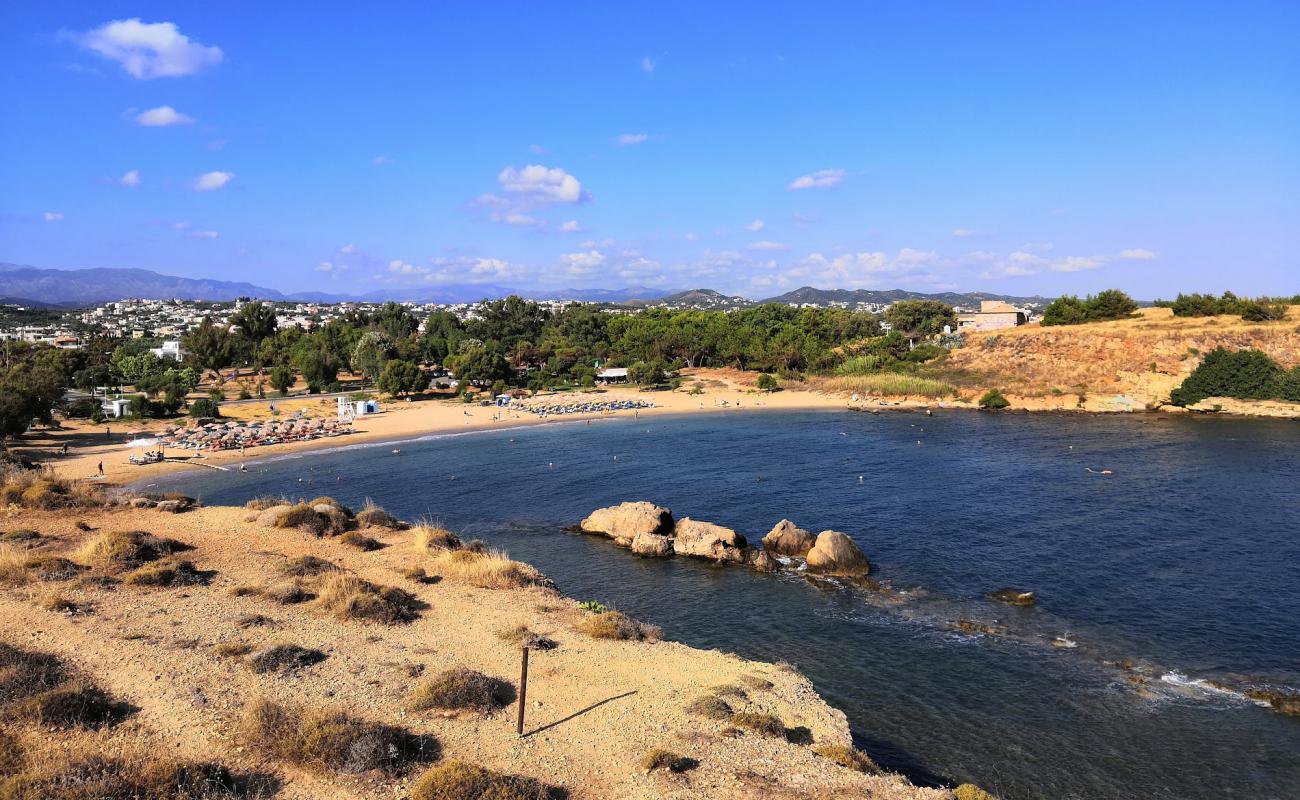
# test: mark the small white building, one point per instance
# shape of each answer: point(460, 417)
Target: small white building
point(117, 407)
point(612, 375)
point(170, 349)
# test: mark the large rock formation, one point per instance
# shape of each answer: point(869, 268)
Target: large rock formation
point(652, 544)
point(629, 520)
point(787, 539)
point(836, 554)
point(706, 540)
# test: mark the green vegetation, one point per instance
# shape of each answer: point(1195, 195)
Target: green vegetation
point(1108, 304)
point(888, 383)
point(1261, 309)
point(460, 780)
point(994, 400)
point(1243, 374)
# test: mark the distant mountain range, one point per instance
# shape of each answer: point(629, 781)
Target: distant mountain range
point(73, 288)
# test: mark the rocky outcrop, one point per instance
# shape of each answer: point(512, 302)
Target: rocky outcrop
point(272, 515)
point(629, 520)
point(1013, 597)
point(705, 540)
point(652, 544)
point(787, 539)
point(836, 554)
point(761, 560)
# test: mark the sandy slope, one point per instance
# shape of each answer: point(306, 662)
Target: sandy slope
point(595, 706)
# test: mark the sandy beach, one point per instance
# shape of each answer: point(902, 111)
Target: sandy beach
point(89, 445)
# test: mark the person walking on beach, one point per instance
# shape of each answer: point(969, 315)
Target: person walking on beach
point(101, 469)
point(64, 449)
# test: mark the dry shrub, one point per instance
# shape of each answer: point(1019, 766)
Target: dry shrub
point(303, 517)
point(283, 658)
point(755, 682)
point(233, 649)
point(463, 688)
point(460, 780)
point(245, 591)
point(41, 489)
point(86, 767)
point(171, 574)
point(349, 597)
point(710, 706)
point(430, 536)
point(52, 601)
point(287, 594)
point(123, 550)
point(847, 757)
point(730, 690)
point(372, 516)
point(523, 636)
point(266, 501)
point(616, 625)
point(13, 566)
point(11, 754)
point(969, 791)
point(491, 570)
point(53, 568)
point(26, 673)
point(325, 500)
point(360, 541)
point(416, 574)
point(253, 621)
point(305, 566)
point(73, 705)
point(659, 758)
point(23, 537)
point(766, 724)
point(331, 741)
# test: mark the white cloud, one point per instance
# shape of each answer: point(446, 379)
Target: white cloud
point(542, 184)
point(210, 181)
point(1137, 254)
point(583, 263)
point(821, 179)
point(692, 236)
point(632, 138)
point(129, 178)
point(348, 249)
point(969, 233)
point(204, 234)
point(766, 245)
point(571, 226)
point(149, 50)
point(53, 216)
point(400, 267)
point(162, 117)
point(592, 244)
point(756, 226)
point(515, 220)
point(648, 64)
point(330, 267)
point(381, 161)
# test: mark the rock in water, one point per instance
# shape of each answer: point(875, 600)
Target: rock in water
point(762, 561)
point(652, 544)
point(787, 539)
point(836, 554)
point(629, 520)
point(1013, 597)
point(706, 540)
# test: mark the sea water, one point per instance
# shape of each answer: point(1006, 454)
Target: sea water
point(1164, 589)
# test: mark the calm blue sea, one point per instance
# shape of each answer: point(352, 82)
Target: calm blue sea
point(1186, 562)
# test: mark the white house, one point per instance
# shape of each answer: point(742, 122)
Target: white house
point(612, 375)
point(119, 407)
point(170, 349)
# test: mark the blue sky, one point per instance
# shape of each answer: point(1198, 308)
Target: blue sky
point(752, 148)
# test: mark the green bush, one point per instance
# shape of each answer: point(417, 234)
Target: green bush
point(767, 383)
point(1243, 374)
point(994, 400)
point(205, 407)
point(1108, 304)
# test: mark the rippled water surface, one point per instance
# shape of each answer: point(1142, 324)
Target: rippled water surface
point(1186, 561)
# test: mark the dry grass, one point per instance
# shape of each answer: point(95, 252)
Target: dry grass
point(91, 767)
point(233, 649)
point(523, 636)
point(26, 673)
point(167, 575)
point(889, 383)
point(330, 741)
point(969, 791)
point(711, 706)
point(766, 724)
point(847, 757)
point(18, 568)
point(489, 570)
point(463, 688)
point(267, 501)
point(124, 550)
point(287, 594)
point(41, 489)
point(429, 536)
point(372, 516)
point(13, 566)
point(23, 537)
point(360, 541)
point(460, 780)
point(306, 566)
point(72, 705)
point(616, 625)
point(53, 601)
point(348, 597)
point(253, 621)
point(659, 758)
point(283, 658)
point(329, 522)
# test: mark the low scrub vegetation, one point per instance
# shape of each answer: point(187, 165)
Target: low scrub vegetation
point(460, 780)
point(710, 706)
point(267, 501)
point(616, 625)
point(287, 594)
point(360, 541)
point(1106, 305)
point(372, 516)
point(307, 566)
point(666, 759)
point(322, 520)
point(41, 489)
point(167, 575)
point(283, 658)
point(847, 757)
point(1261, 309)
point(488, 570)
point(125, 550)
point(330, 741)
point(463, 688)
point(758, 722)
point(523, 636)
point(428, 536)
point(890, 383)
point(348, 597)
point(1243, 374)
point(994, 400)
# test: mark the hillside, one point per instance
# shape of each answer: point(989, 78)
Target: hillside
point(822, 297)
point(1122, 365)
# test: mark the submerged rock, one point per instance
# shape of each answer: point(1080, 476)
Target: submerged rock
point(787, 539)
point(652, 544)
point(1281, 702)
point(1013, 597)
point(970, 626)
point(836, 554)
point(761, 560)
point(706, 540)
point(629, 520)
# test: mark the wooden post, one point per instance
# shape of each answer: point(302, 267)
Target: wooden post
point(523, 691)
